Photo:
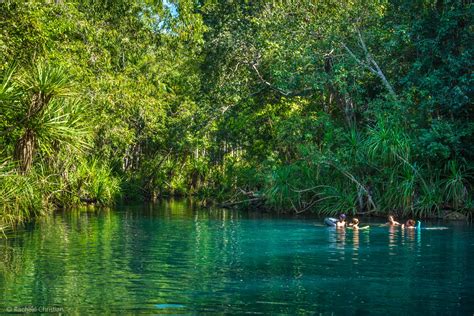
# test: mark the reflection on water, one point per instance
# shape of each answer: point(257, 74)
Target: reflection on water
point(394, 239)
point(174, 258)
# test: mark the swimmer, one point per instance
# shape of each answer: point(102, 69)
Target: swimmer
point(341, 223)
point(354, 224)
point(410, 224)
point(392, 221)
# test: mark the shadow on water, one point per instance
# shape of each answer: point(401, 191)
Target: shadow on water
point(173, 257)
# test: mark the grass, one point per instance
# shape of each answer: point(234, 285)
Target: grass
point(26, 196)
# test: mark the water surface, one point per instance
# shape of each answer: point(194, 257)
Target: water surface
point(174, 258)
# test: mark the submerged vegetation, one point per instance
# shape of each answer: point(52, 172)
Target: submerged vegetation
point(322, 106)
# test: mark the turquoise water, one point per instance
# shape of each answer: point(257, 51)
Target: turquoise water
point(173, 258)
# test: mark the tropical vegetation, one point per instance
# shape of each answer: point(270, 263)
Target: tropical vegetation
point(290, 106)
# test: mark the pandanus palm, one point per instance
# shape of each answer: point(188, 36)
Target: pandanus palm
point(49, 115)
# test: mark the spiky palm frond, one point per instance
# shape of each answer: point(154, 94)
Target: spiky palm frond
point(50, 119)
point(9, 90)
point(19, 198)
point(430, 200)
point(456, 184)
point(386, 142)
point(47, 80)
point(341, 198)
point(62, 123)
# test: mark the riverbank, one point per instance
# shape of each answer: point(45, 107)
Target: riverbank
point(46, 208)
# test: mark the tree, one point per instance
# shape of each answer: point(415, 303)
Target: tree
point(47, 117)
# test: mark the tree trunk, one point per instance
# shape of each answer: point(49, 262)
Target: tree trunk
point(370, 64)
point(25, 149)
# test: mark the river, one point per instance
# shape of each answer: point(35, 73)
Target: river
point(173, 257)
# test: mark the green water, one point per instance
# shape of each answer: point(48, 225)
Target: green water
point(173, 258)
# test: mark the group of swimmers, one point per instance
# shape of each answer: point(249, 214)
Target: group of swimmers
point(354, 224)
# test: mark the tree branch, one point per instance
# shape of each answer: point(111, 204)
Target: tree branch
point(279, 90)
point(370, 64)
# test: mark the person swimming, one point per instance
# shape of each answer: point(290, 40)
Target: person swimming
point(409, 224)
point(392, 221)
point(341, 223)
point(354, 223)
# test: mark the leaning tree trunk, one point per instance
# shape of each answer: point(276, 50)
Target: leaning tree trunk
point(25, 149)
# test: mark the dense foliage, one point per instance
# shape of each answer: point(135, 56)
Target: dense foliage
point(324, 106)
